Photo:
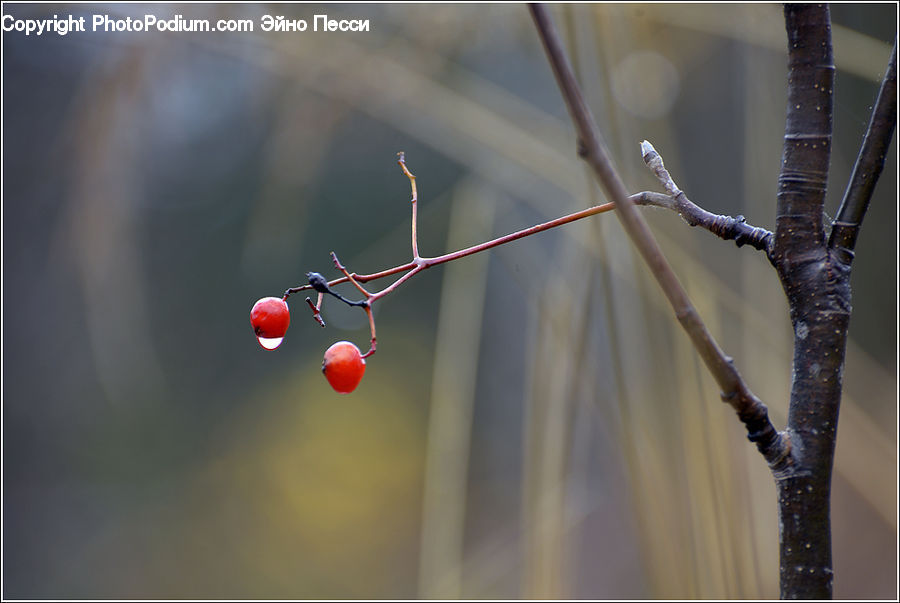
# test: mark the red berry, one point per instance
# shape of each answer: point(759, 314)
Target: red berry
point(343, 366)
point(270, 318)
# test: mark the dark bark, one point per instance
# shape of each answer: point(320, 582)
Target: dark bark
point(869, 164)
point(818, 290)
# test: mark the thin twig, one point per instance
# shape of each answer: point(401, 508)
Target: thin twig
point(390, 288)
point(646, 198)
point(316, 309)
point(350, 277)
point(373, 341)
point(869, 164)
point(401, 159)
point(365, 304)
point(725, 227)
point(772, 444)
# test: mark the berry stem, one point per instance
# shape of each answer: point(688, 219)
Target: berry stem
point(418, 263)
point(371, 351)
point(423, 263)
point(366, 304)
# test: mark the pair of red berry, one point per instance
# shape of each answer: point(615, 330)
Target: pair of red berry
point(343, 364)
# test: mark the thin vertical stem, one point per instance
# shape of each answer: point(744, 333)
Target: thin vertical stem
point(372, 344)
point(415, 203)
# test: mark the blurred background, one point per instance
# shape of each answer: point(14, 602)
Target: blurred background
point(534, 424)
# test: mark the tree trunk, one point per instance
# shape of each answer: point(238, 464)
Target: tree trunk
point(817, 286)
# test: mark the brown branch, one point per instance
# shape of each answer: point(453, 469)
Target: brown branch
point(423, 263)
point(316, 309)
point(725, 227)
point(645, 198)
point(774, 446)
point(869, 164)
point(317, 282)
point(401, 159)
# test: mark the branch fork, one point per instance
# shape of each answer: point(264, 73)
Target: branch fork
point(725, 227)
point(418, 263)
point(771, 443)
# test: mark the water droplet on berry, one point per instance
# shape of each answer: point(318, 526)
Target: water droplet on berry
point(270, 343)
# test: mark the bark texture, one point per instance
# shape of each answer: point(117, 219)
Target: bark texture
point(817, 285)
